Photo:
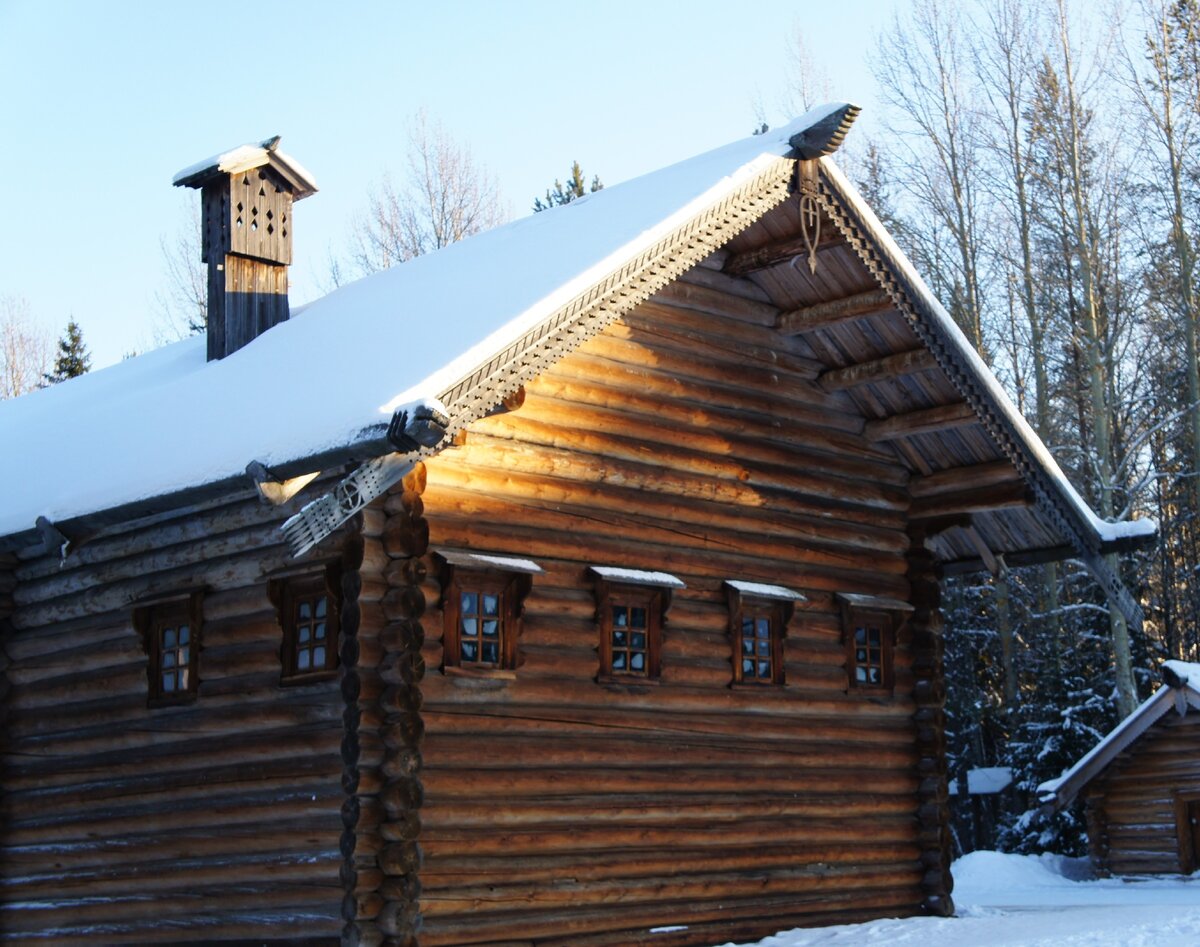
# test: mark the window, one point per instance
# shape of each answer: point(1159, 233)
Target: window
point(869, 625)
point(309, 614)
point(758, 618)
point(170, 634)
point(870, 651)
point(631, 608)
point(631, 633)
point(483, 599)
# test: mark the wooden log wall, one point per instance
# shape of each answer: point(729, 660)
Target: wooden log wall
point(561, 810)
point(212, 820)
point(1132, 809)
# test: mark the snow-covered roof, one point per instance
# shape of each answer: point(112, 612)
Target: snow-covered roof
point(163, 427)
point(985, 780)
point(169, 420)
point(1182, 692)
point(245, 158)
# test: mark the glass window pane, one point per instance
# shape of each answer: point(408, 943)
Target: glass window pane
point(764, 649)
point(764, 668)
point(860, 675)
point(748, 646)
point(469, 650)
point(491, 627)
point(319, 656)
point(638, 619)
point(491, 652)
point(620, 616)
point(302, 634)
point(168, 681)
point(763, 627)
point(470, 603)
point(322, 606)
point(860, 636)
point(182, 654)
point(469, 626)
point(319, 633)
point(619, 661)
point(860, 655)
point(873, 675)
point(168, 637)
point(638, 641)
point(168, 659)
point(303, 660)
point(183, 634)
point(183, 678)
point(638, 662)
point(491, 604)
point(619, 639)
point(304, 610)
point(747, 668)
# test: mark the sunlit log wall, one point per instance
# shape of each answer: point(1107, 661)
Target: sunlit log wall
point(214, 820)
point(561, 810)
point(1137, 818)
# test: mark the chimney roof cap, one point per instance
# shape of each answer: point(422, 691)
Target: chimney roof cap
point(245, 158)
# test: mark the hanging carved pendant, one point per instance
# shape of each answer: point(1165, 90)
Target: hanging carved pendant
point(810, 225)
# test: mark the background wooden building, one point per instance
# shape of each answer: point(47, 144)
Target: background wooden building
point(617, 623)
point(1141, 783)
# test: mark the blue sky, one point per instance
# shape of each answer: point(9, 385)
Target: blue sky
point(104, 102)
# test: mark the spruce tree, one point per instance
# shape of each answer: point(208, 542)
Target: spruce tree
point(564, 194)
point(73, 358)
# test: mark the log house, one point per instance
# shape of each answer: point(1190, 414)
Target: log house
point(1141, 784)
point(617, 623)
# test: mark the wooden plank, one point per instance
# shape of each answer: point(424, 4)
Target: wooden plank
point(833, 312)
point(717, 303)
point(924, 421)
point(881, 369)
point(974, 500)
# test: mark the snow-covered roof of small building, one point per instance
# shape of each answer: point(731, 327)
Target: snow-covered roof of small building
point(1181, 691)
point(985, 781)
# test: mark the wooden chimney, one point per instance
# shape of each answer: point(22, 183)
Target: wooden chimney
point(246, 224)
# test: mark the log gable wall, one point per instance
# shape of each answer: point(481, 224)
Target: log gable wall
point(556, 808)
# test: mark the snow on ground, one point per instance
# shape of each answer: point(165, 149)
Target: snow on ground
point(1034, 901)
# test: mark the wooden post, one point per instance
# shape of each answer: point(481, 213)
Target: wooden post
point(929, 695)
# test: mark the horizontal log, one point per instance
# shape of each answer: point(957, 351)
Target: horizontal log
point(1003, 496)
point(882, 369)
point(923, 421)
point(717, 303)
point(777, 252)
point(954, 479)
point(834, 312)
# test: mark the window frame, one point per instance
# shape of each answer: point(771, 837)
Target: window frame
point(895, 614)
point(285, 593)
point(656, 601)
point(510, 579)
point(150, 620)
point(778, 611)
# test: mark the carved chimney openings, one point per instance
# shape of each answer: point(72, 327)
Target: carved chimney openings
point(246, 197)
